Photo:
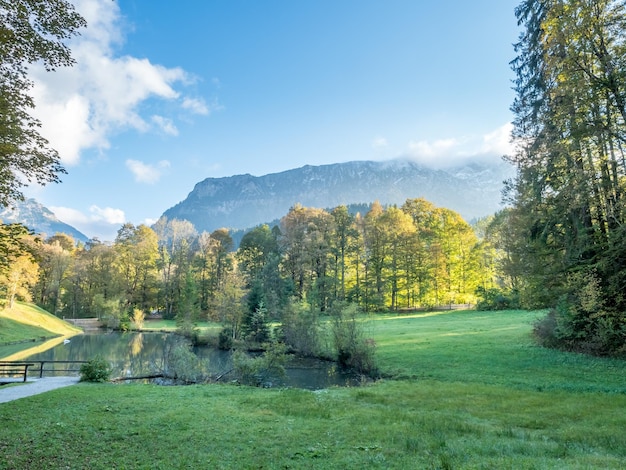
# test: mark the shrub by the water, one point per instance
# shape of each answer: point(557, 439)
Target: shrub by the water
point(95, 370)
point(225, 339)
point(260, 370)
point(353, 350)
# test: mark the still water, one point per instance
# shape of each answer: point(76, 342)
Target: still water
point(137, 354)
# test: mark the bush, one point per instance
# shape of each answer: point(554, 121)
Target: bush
point(95, 370)
point(259, 371)
point(225, 339)
point(181, 365)
point(300, 329)
point(544, 330)
point(496, 299)
point(353, 350)
point(581, 321)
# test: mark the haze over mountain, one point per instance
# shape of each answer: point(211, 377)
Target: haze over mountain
point(38, 218)
point(244, 201)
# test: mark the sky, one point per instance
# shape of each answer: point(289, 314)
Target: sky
point(165, 94)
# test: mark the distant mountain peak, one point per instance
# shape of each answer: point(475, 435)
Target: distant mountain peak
point(244, 201)
point(38, 218)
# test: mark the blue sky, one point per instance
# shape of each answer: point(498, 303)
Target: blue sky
point(165, 94)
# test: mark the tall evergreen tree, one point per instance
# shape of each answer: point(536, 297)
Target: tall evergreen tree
point(570, 128)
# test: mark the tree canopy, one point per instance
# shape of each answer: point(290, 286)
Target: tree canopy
point(30, 31)
point(570, 127)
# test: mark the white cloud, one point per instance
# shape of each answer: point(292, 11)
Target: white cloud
point(453, 151)
point(165, 124)
point(146, 173)
point(499, 141)
point(107, 214)
point(81, 106)
point(196, 105)
point(433, 150)
point(102, 223)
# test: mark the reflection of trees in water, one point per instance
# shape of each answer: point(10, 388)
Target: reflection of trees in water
point(134, 354)
point(136, 344)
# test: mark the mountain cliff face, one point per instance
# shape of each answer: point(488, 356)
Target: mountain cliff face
point(244, 201)
point(39, 219)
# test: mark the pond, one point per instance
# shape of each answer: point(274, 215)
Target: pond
point(137, 354)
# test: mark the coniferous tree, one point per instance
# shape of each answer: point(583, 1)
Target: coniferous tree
point(568, 195)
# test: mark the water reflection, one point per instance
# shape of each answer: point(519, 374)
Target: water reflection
point(136, 345)
point(137, 354)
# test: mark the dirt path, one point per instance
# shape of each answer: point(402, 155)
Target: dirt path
point(34, 387)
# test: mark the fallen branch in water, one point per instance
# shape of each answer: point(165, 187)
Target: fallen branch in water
point(141, 377)
point(222, 375)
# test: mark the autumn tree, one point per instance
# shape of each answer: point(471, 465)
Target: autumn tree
point(136, 249)
point(19, 271)
point(93, 282)
point(305, 244)
point(175, 241)
point(55, 258)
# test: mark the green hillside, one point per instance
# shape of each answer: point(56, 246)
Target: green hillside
point(26, 322)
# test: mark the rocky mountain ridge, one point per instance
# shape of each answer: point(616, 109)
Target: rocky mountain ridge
point(244, 201)
point(38, 218)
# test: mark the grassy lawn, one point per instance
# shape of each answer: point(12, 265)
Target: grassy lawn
point(471, 391)
point(26, 322)
point(170, 325)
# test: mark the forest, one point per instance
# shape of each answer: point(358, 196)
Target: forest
point(417, 256)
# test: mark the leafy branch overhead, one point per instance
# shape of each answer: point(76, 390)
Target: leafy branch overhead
point(31, 31)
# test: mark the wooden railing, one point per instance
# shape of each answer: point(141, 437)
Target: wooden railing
point(41, 369)
point(11, 369)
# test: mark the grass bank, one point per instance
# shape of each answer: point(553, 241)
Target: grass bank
point(474, 393)
point(27, 322)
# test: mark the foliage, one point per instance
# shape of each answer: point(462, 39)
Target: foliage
point(256, 326)
point(415, 256)
point(138, 318)
point(496, 299)
point(353, 350)
point(568, 213)
point(16, 241)
point(228, 306)
point(225, 339)
point(108, 310)
point(300, 329)
point(16, 282)
point(182, 365)
point(580, 321)
point(96, 370)
point(32, 31)
point(260, 370)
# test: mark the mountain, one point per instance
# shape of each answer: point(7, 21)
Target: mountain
point(244, 201)
point(39, 219)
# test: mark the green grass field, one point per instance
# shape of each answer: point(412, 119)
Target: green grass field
point(27, 322)
point(469, 390)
